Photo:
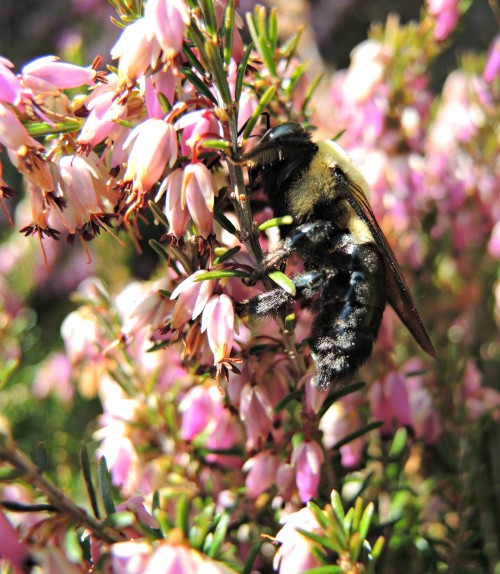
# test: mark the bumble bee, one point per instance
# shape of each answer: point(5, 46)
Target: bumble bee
point(350, 271)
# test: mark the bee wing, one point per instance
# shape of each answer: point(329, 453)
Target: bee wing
point(398, 292)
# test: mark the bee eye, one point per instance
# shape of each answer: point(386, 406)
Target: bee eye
point(284, 130)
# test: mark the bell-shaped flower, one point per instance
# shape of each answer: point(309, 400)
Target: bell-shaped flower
point(197, 126)
point(105, 111)
point(492, 66)
point(389, 401)
point(197, 407)
point(49, 75)
point(174, 209)
point(163, 82)
point(130, 557)
point(198, 192)
point(340, 420)
point(154, 145)
point(76, 186)
point(167, 21)
point(13, 135)
point(257, 413)
point(261, 470)
point(12, 548)
point(192, 297)
point(11, 90)
point(218, 322)
point(294, 554)
point(447, 16)
point(137, 50)
point(307, 458)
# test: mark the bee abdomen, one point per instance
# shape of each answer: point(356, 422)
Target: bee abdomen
point(349, 313)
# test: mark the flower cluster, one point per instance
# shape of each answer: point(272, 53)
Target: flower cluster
point(211, 432)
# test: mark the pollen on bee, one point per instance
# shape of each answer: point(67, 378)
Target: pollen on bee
point(243, 198)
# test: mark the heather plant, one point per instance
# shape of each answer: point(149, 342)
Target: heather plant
point(206, 446)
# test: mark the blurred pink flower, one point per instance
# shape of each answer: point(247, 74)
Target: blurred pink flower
point(192, 297)
point(198, 193)
point(143, 307)
point(494, 241)
point(340, 420)
point(478, 400)
point(197, 408)
point(389, 401)
point(49, 75)
point(492, 67)
point(447, 17)
point(54, 375)
point(218, 322)
point(261, 470)
point(12, 548)
point(314, 397)
point(285, 481)
point(294, 554)
point(307, 457)
point(130, 557)
point(171, 558)
point(257, 414)
point(167, 21)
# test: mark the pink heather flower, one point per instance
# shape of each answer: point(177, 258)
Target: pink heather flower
point(33, 166)
point(171, 558)
point(174, 209)
point(257, 414)
point(105, 111)
point(478, 399)
point(130, 557)
point(192, 297)
point(197, 407)
point(76, 186)
point(492, 67)
point(137, 51)
point(197, 126)
point(11, 90)
point(54, 376)
point(494, 242)
point(218, 322)
point(366, 72)
point(163, 82)
point(142, 306)
point(154, 145)
point(340, 420)
point(389, 401)
point(261, 470)
point(314, 397)
point(294, 554)
point(81, 335)
point(198, 193)
point(285, 480)
point(167, 21)
point(12, 548)
point(307, 458)
point(447, 17)
point(223, 431)
point(13, 135)
point(48, 75)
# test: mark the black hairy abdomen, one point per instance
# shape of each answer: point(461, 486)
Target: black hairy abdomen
point(348, 308)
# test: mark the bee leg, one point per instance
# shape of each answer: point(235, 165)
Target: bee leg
point(265, 304)
point(304, 238)
point(271, 302)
